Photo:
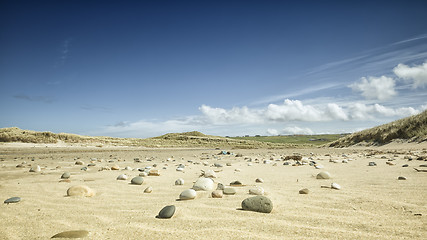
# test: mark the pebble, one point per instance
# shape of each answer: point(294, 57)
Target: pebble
point(304, 191)
point(401, 178)
point(179, 181)
point(229, 191)
point(372, 164)
point(91, 165)
point(179, 169)
point(217, 194)
point(71, 234)
point(148, 190)
point(259, 180)
point(81, 191)
point(258, 204)
point(79, 162)
point(236, 183)
point(115, 167)
point(323, 175)
point(167, 212)
point(122, 177)
point(84, 168)
point(154, 172)
point(405, 165)
point(220, 186)
point(210, 174)
point(65, 175)
point(257, 190)
point(128, 168)
point(143, 174)
point(318, 166)
point(137, 180)
point(12, 200)
point(335, 186)
point(203, 184)
point(188, 194)
point(35, 169)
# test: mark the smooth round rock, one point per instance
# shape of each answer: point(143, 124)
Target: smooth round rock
point(179, 169)
point(304, 191)
point(143, 174)
point(217, 194)
point(401, 178)
point(12, 200)
point(65, 175)
point(81, 191)
point(236, 183)
point(259, 180)
point(154, 172)
point(372, 164)
point(79, 162)
point(122, 177)
point(203, 184)
point(167, 212)
point(318, 166)
point(137, 180)
point(229, 191)
point(148, 190)
point(323, 175)
point(257, 190)
point(71, 234)
point(179, 181)
point(35, 169)
point(335, 186)
point(188, 194)
point(115, 167)
point(258, 204)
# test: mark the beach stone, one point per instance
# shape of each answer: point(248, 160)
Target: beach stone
point(258, 204)
point(84, 168)
point(372, 164)
point(335, 186)
point(259, 180)
point(115, 167)
point(167, 212)
point(323, 175)
point(137, 180)
point(128, 168)
point(179, 169)
point(154, 172)
point(345, 161)
point(217, 194)
point(65, 175)
point(401, 178)
point(188, 194)
point(143, 174)
point(122, 177)
point(179, 181)
point(91, 165)
point(203, 184)
point(71, 234)
point(318, 166)
point(210, 174)
point(35, 169)
point(81, 191)
point(148, 190)
point(304, 191)
point(405, 165)
point(257, 190)
point(236, 183)
point(12, 200)
point(220, 186)
point(79, 162)
point(229, 191)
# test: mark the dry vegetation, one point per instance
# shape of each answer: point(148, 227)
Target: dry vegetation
point(188, 139)
point(410, 129)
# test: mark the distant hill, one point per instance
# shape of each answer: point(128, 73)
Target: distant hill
point(410, 129)
point(186, 139)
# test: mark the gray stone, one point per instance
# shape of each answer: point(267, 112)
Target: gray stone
point(304, 191)
point(323, 175)
point(12, 200)
point(401, 178)
point(258, 204)
point(137, 180)
point(35, 169)
point(122, 177)
point(65, 175)
point(179, 181)
point(72, 234)
point(188, 194)
point(217, 194)
point(79, 162)
point(236, 183)
point(372, 164)
point(259, 180)
point(405, 165)
point(257, 190)
point(148, 190)
point(167, 212)
point(335, 186)
point(143, 174)
point(220, 186)
point(229, 191)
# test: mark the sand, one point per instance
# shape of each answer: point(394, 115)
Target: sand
point(372, 203)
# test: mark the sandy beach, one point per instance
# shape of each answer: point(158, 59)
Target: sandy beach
point(371, 204)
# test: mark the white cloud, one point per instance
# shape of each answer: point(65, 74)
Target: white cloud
point(293, 110)
point(233, 116)
point(359, 111)
point(272, 132)
point(297, 130)
point(416, 75)
point(381, 88)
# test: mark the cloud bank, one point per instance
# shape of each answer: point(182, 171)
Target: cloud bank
point(381, 88)
point(416, 75)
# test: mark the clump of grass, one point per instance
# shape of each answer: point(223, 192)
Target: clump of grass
point(413, 129)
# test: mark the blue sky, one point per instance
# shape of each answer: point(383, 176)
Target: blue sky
point(146, 68)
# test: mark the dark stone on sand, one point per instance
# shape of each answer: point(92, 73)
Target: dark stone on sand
point(304, 191)
point(236, 183)
point(401, 178)
point(167, 212)
point(137, 180)
point(405, 165)
point(372, 164)
point(71, 234)
point(258, 204)
point(12, 200)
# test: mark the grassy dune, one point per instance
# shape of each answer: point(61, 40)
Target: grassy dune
point(411, 129)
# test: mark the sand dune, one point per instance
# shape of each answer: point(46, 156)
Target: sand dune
point(372, 203)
